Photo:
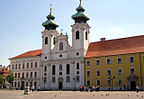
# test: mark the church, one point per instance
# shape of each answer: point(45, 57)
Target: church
point(57, 65)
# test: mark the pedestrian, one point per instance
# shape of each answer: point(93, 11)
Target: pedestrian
point(33, 88)
point(80, 88)
point(137, 88)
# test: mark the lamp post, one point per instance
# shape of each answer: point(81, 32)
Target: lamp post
point(111, 78)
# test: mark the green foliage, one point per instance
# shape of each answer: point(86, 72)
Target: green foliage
point(1, 79)
point(10, 77)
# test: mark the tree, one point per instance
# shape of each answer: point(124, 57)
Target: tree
point(1, 79)
point(10, 77)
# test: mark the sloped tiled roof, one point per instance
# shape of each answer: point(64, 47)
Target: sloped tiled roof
point(116, 47)
point(29, 54)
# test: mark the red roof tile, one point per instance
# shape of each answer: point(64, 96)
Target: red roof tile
point(116, 47)
point(29, 54)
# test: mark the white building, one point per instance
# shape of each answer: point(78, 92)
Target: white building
point(58, 65)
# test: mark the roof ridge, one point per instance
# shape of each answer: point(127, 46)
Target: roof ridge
point(118, 39)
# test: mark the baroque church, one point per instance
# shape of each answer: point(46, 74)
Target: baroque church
point(57, 65)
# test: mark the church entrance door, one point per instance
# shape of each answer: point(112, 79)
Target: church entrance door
point(60, 85)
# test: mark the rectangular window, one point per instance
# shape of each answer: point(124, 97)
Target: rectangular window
point(98, 72)
point(22, 75)
point(119, 60)
point(27, 75)
point(108, 72)
point(98, 82)
point(108, 61)
point(16, 66)
point(97, 62)
point(109, 82)
point(35, 74)
point(19, 66)
point(88, 63)
point(119, 71)
point(15, 75)
point(88, 82)
point(31, 65)
point(31, 75)
point(132, 70)
point(131, 59)
point(27, 65)
point(23, 66)
point(18, 75)
point(120, 81)
point(12, 66)
point(88, 73)
point(35, 64)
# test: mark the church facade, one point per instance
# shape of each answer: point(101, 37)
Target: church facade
point(57, 65)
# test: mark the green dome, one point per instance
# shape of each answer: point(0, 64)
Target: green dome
point(50, 24)
point(80, 17)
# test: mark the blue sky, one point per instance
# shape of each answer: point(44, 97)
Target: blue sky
point(20, 21)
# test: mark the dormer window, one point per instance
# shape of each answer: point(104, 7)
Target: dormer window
point(46, 40)
point(77, 35)
point(60, 46)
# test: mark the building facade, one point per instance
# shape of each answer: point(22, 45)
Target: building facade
point(115, 64)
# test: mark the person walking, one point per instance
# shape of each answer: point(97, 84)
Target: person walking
point(33, 88)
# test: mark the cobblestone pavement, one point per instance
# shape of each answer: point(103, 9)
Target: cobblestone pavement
point(19, 94)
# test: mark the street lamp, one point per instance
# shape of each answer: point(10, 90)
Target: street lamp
point(111, 78)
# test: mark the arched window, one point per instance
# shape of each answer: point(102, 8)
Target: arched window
point(67, 69)
point(53, 70)
point(60, 46)
point(86, 35)
point(53, 79)
point(77, 34)
point(46, 40)
point(54, 40)
point(45, 68)
point(67, 79)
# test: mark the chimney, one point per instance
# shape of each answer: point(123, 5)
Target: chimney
point(102, 39)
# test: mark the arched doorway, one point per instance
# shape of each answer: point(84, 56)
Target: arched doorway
point(60, 83)
point(132, 81)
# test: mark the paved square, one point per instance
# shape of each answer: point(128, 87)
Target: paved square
point(19, 94)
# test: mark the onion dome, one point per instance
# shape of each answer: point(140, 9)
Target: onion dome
point(80, 17)
point(50, 24)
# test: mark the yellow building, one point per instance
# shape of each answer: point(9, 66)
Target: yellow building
point(115, 64)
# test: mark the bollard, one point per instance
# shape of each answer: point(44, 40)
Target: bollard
point(27, 90)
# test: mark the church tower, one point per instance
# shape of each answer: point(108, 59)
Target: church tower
point(48, 36)
point(80, 32)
